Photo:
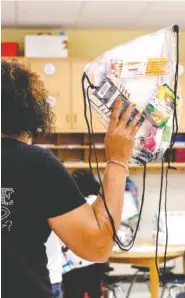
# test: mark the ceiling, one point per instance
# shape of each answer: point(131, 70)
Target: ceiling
point(93, 14)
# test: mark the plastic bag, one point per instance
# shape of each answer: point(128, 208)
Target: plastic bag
point(143, 72)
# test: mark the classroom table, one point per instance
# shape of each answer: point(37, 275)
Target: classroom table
point(144, 254)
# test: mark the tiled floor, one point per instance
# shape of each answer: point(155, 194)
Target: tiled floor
point(139, 291)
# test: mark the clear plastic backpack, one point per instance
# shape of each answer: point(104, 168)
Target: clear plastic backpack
point(144, 72)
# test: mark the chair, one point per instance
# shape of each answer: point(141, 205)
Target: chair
point(175, 283)
point(113, 285)
point(181, 295)
point(145, 271)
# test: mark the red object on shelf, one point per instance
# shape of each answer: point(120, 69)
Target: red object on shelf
point(180, 155)
point(9, 49)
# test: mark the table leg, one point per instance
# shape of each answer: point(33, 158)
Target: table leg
point(184, 263)
point(154, 280)
point(183, 266)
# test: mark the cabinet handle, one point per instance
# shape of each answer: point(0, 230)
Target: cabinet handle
point(75, 118)
point(67, 118)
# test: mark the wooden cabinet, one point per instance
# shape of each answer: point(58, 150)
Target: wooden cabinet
point(23, 60)
point(55, 73)
point(182, 119)
point(63, 80)
point(78, 119)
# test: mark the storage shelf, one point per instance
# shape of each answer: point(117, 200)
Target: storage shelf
point(80, 147)
point(102, 165)
point(73, 151)
point(70, 146)
point(178, 165)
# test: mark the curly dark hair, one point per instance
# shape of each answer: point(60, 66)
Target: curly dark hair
point(23, 101)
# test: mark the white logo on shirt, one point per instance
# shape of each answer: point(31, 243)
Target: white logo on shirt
point(6, 201)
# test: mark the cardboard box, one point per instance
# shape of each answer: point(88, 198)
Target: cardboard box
point(46, 46)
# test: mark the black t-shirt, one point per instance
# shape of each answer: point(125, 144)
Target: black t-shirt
point(35, 186)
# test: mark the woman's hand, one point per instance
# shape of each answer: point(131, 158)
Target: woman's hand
point(119, 140)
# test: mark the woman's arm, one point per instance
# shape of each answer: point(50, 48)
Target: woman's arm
point(87, 230)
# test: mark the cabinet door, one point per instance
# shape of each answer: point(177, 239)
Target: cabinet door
point(23, 60)
point(182, 119)
point(78, 120)
point(55, 73)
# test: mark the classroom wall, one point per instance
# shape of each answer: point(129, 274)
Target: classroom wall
point(89, 44)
